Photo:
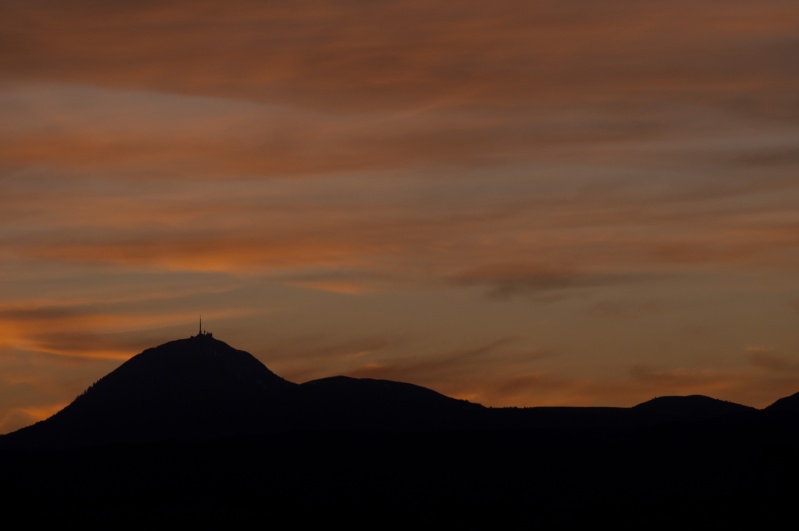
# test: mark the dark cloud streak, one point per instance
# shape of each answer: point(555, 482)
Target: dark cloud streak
point(410, 53)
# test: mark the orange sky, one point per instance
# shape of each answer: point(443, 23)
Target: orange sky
point(515, 202)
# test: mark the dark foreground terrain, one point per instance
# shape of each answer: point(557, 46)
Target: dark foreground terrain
point(194, 433)
point(450, 481)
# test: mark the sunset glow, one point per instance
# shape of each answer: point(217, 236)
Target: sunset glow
point(515, 202)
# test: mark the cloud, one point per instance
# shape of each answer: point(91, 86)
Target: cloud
point(351, 281)
point(369, 232)
point(203, 254)
point(106, 330)
point(767, 359)
point(391, 137)
point(406, 54)
point(508, 280)
point(679, 380)
point(464, 373)
point(308, 357)
point(151, 134)
point(624, 309)
point(435, 365)
point(770, 158)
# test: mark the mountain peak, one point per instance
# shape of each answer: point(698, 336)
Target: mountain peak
point(201, 388)
point(184, 389)
point(199, 363)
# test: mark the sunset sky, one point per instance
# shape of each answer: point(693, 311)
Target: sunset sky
point(513, 202)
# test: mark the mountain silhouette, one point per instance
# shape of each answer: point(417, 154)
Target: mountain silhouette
point(202, 388)
point(688, 408)
point(344, 403)
point(195, 431)
point(788, 404)
point(185, 389)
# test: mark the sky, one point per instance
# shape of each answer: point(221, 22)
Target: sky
point(515, 202)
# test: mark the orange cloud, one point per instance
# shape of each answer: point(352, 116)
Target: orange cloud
point(511, 279)
point(332, 286)
point(362, 55)
point(309, 357)
point(767, 359)
point(93, 331)
point(576, 244)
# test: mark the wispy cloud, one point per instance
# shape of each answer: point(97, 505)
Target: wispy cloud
point(365, 55)
point(768, 359)
point(507, 280)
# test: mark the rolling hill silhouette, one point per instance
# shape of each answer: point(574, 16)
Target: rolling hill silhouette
point(196, 431)
point(689, 408)
point(202, 388)
point(185, 389)
point(788, 404)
